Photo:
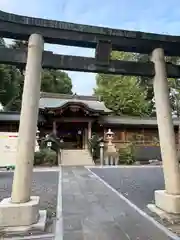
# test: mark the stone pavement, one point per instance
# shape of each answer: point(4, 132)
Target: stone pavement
point(91, 210)
point(44, 184)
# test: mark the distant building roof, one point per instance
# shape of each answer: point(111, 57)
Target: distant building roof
point(51, 100)
point(129, 120)
point(14, 117)
point(109, 120)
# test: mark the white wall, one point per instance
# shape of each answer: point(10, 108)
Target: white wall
point(8, 148)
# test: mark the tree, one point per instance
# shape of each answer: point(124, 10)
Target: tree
point(19, 44)
point(122, 94)
point(147, 83)
point(54, 81)
point(174, 85)
point(10, 77)
point(174, 89)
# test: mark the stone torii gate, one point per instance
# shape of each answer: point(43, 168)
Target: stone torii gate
point(22, 208)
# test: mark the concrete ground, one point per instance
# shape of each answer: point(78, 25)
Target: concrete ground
point(91, 209)
point(96, 203)
point(136, 183)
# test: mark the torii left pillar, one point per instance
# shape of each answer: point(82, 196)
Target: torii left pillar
point(22, 209)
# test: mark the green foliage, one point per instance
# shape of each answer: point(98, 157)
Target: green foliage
point(127, 154)
point(56, 145)
point(39, 158)
point(45, 157)
point(174, 85)
point(9, 85)
point(146, 82)
point(94, 147)
point(19, 44)
point(106, 84)
point(56, 82)
point(122, 94)
point(12, 80)
point(50, 158)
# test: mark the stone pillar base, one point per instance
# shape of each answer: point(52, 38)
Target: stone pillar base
point(21, 214)
point(167, 202)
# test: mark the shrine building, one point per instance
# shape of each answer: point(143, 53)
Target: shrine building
point(75, 119)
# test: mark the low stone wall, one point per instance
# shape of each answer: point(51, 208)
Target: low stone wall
point(143, 152)
point(146, 153)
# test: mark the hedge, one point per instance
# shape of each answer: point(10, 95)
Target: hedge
point(45, 157)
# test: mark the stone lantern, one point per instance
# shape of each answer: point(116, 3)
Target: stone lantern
point(110, 146)
point(49, 144)
point(111, 153)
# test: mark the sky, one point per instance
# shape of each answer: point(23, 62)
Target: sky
point(157, 16)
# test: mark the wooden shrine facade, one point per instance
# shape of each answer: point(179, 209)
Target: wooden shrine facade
point(76, 118)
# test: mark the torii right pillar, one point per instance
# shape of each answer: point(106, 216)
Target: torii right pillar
point(167, 200)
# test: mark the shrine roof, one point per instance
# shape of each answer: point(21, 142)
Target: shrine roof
point(12, 116)
point(49, 100)
point(129, 120)
point(109, 120)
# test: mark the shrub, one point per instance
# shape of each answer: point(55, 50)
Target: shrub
point(94, 147)
point(127, 154)
point(56, 145)
point(50, 158)
point(39, 157)
point(45, 157)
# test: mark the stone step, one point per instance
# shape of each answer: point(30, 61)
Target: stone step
point(79, 157)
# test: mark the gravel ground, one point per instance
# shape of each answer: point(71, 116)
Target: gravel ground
point(45, 185)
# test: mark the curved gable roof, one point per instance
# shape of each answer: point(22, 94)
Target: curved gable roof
point(61, 101)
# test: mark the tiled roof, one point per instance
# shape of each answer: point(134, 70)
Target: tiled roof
point(128, 120)
point(109, 120)
point(48, 100)
point(14, 117)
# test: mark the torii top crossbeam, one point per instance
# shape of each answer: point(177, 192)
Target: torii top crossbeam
point(57, 32)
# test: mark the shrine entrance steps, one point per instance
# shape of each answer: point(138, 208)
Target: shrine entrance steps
point(76, 157)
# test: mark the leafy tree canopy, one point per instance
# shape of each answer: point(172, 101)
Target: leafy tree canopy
point(12, 80)
point(123, 94)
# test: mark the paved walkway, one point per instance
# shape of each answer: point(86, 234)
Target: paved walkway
point(91, 210)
